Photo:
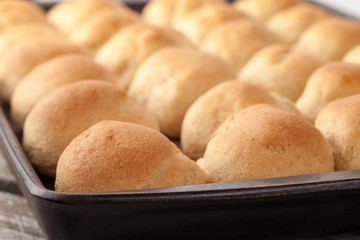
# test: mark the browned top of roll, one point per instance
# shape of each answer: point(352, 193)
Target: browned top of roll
point(353, 55)
point(263, 141)
point(25, 55)
point(330, 81)
point(66, 112)
point(116, 156)
point(171, 79)
point(291, 22)
point(50, 75)
point(211, 109)
point(339, 122)
point(329, 38)
point(15, 11)
point(263, 9)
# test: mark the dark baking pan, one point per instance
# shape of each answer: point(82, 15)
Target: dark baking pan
point(299, 206)
point(291, 207)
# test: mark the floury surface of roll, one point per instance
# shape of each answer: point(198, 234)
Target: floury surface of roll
point(330, 81)
point(263, 141)
point(171, 79)
point(236, 41)
point(49, 76)
point(278, 68)
point(129, 47)
point(211, 109)
point(66, 112)
point(116, 156)
point(21, 58)
point(339, 122)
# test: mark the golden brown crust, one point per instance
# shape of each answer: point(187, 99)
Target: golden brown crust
point(338, 121)
point(116, 156)
point(291, 22)
point(14, 12)
point(237, 41)
point(278, 68)
point(263, 9)
point(100, 26)
point(199, 22)
point(353, 55)
point(329, 38)
point(171, 79)
point(62, 115)
point(51, 75)
point(76, 12)
point(262, 141)
point(129, 47)
point(330, 81)
point(211, 109)
point(25, 55)
point(19, 32)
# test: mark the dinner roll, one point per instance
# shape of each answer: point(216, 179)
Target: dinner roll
point(329, 38)
point(100, 26)
point(164, 12)
point(68, 111)
point(263, 141)
point(263, 9)
point(237, 41)
point(19, 32)
point(211, 109)
point(129, 47)
point(25, 55)
point(278, 68)
point(171, 79)
point(291, 22)
point(117, 156)
point(353, 55)
point(14, 12)
point(198, 23)
point(76, 12)
point(339, 122)
point(51, 75)
point(330, 81)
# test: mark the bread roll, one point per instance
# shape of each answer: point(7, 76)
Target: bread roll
point(165, 12)
point(330, 81)
point(76, 12)
point(128, 48)
point(211, 109)
point(68, 111)
point(277, 68)
point(171, 79)
point(25, 55)
point(263, 141)
point(51, 75)
point(237, 41)
point(330, 38)
point(263, 9)
point(291, 22)
point(100, 26)
point(353, 55)
point(339, 122)
point(117, 156)
point(19, 32)
point(14, 12)
point(197, 24)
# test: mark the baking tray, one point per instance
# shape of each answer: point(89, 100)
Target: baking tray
point(290, 207)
